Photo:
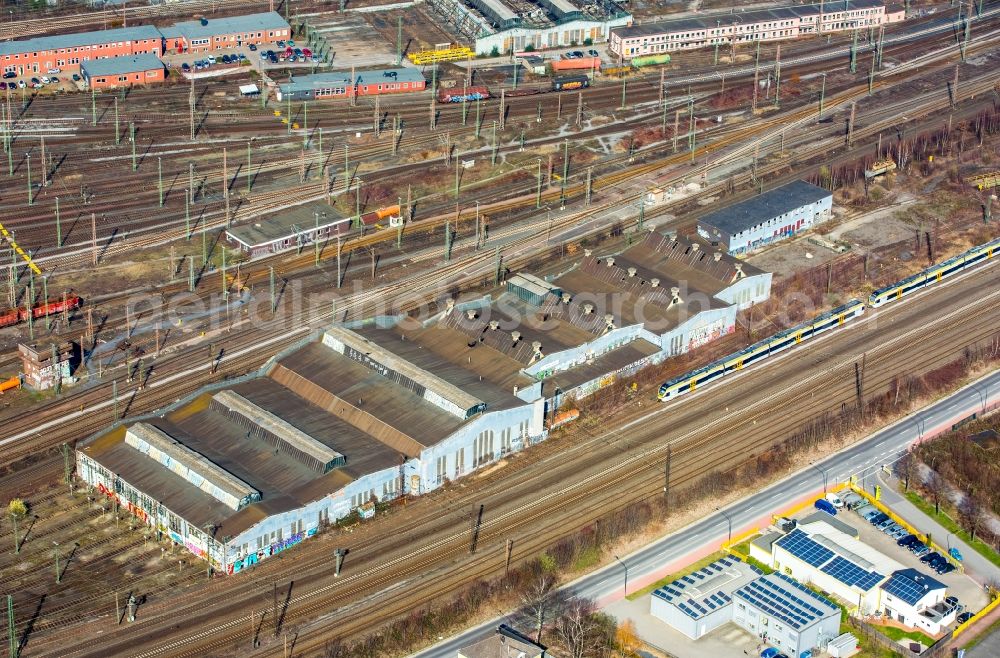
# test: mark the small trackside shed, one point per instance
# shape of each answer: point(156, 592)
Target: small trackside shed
point(298, 226)
point(123, 71)
point(338, 84)
point(775, 215)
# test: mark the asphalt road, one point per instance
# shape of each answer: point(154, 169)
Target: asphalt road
point(864, 459)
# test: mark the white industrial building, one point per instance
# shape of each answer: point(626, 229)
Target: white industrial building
point(496, 25)
point(835, 562)
point(769, 217)
point(749, 26)
point(365, 412)
point(775, 608)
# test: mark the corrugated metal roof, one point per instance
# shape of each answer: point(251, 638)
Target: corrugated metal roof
point(756, 210)
point(335, 79)
point(194, 467)
point(269, 20)
point(137, 33)
point(120, 65)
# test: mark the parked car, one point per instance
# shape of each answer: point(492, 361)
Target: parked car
point(930, 557)
point(878, 519)
point(952, 601)
point(76, 78)
point(835, 500)
point(885, 524)
point(852, 500)
point(593, 53)
point(280, 44)
point(55, 80)
point(225, 59)
point(211, 59)
point(307, 52)
point(907, 541)
point(9, 74)
point(22, 84)
point(964, 617)
point(186, 67)
point(274, 59)
point(290, 43)
point(314, 59)
point(899, 532)
point(920, 550)
point(35, 81)
point(824, 505)
point(891, 528)
point(785, 524)
point(241, 57)
point(944, 568)
point(54, 70)
point(253, 48)
point(866, 511)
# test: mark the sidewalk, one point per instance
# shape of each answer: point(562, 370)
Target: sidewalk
point(975, 564)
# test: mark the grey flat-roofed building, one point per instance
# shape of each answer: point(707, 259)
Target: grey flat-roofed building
point(774, 215)
point(211, 27)
point(785, 614)
point(700, 602)
point(293, 227)
point(119, 65)
point(333, 84)
point(76, 40)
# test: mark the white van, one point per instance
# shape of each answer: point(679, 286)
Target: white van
point(835, 500)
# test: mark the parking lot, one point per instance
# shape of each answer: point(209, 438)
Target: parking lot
point(56, 81)
point(227, 60)
point(970, 593)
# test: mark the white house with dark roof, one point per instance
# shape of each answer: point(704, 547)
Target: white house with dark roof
point(917, 600)
point(769, 217)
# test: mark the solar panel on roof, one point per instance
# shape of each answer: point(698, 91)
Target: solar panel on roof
point(710, 604)
point(851, 574)
point(687, 579)
point(699, 575)
point(800, 545)
point(904, 588)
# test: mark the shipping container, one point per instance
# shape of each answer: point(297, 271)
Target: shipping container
point(463, 95)
point(570, 82)
point(577, 64)
point(650, 60)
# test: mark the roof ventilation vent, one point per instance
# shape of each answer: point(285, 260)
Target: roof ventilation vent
point(494, 325)
point(588, 252)
point(610, 262)
point(631, 272)
point(609, 322)
point(536, 349)
point(449, 305)
point(566, 298)
point(695, 247)
point(204, 21)
point(655, 283)
point(588, 308)
point(470, 313)
point(515, 336)
point(675, 297)
point(739, 271)
point(717, 256)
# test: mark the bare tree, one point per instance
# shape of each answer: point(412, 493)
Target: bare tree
point(904, 468)
point(540, 602)
point(583, 631)
point(935, 485)
point(971, 514)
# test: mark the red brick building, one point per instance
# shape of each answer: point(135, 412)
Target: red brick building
point(214, 33)
point(123, 71)
point(67, 51)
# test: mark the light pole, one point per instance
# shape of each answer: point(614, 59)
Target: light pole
point(58, 574)
point(729, 523)
point(625, 567)
point(822, 472)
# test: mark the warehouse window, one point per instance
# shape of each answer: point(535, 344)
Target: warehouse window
point(459, 461)
point(442, 469)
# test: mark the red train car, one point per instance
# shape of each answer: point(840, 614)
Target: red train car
point(51, 307)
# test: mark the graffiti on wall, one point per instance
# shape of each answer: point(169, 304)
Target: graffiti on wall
point(253, 558)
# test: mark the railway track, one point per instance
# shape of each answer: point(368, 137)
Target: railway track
point(557, 504)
